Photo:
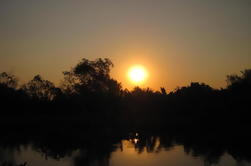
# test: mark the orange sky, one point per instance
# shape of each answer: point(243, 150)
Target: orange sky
point(178, 41)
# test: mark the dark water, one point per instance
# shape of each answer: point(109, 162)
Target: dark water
point(131, 151)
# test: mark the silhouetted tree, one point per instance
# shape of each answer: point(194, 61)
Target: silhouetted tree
point(238, 96)
point(12, 99)
point(163, 91)
point(40, 89)
point(236, 81)
point(8, 79)
point(91, 76)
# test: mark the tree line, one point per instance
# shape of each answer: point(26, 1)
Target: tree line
point(89, 94)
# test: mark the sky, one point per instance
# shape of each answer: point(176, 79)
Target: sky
point(177, 41)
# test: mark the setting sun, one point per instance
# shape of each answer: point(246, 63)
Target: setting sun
point(137, 74)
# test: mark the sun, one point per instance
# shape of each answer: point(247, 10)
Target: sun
point(137, 74)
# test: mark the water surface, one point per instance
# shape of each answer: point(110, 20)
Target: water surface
point(133, 151)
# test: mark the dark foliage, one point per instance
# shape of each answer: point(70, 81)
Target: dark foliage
point(90, 100)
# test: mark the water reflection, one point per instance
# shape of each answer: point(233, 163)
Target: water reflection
point(120, 150)
point(141, 143)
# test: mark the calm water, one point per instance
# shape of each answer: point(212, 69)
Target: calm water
point(131, 151)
